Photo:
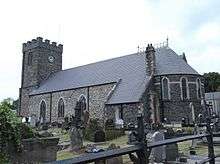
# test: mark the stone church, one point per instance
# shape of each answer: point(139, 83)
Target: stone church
point(157, 82)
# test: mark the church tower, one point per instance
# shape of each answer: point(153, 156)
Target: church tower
point(40, 59)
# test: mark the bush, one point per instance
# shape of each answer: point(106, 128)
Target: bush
point(11, 131)
point(111, 134)
point(189, 130)
point(93, 126)
point(25, 131)
point(89, 131)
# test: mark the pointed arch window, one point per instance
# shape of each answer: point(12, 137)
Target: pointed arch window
point(43, 111)
point(198, 85)
point(61, 108)
point(184, 88)
point(165, 88)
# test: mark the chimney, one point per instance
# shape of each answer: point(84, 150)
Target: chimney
point(150, 59)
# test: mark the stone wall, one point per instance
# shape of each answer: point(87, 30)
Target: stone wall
point(96, 97)
point(36, 67)
point(34, 105)
point(130, 110)
point(70, 98)
point(36, 151)
point(24, 101)
point(175, 108)
point(174, 111)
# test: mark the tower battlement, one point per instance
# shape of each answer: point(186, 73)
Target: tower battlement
point(39, 42)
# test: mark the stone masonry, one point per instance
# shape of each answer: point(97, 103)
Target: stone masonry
point(175, 108)
point(36, 67)
point(96, 97)
point(42, 58)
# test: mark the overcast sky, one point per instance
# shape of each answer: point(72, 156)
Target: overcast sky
point(93, 30)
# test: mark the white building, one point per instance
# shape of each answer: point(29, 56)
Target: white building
point(213, 99)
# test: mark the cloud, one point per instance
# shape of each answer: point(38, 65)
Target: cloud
point(97, 30)
point(209, 33)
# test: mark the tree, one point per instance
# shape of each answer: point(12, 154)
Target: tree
point(11, 103)
point(12, 130)
point(9, 134)
point(212, 81)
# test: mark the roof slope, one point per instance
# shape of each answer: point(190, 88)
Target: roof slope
point(130, 70)
point(168, 62)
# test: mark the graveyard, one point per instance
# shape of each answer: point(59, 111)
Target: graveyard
point(183, 148)
point(191, 151)
point(74, 139)
point(188, 149)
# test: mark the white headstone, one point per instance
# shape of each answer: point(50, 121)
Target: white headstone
point(33, 120)
point(158, 153)
point(119, 123)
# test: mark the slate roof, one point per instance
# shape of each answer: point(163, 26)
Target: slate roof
point(130, 70)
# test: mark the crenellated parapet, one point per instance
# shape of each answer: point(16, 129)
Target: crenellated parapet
point(40, 43)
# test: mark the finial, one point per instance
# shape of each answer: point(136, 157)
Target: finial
point(138, 47)
point(167, 42)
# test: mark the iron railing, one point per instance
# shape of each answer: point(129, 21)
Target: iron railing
point(143, 149)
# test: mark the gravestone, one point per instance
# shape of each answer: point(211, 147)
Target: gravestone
point(66, 124)
point(195, 141)
point(45, 126)
point(114, 160)
point(172, 149)
point(26, 120)
point(78, 113)
point(132, 138)
point(158, 152)
point(76, 138)
point(99, 136)
point(85, 117)
point(109, 124)
point(119, 124)
point(45, 133)
point(172, 152)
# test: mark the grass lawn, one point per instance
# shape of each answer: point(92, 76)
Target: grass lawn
point(121, 141)
point(184, 147)
point(65, 154)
